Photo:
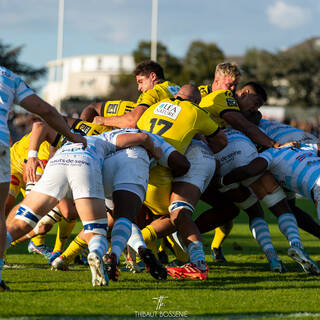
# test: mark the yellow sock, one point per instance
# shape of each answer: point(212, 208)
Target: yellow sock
point(39, 239)
point(220, 234)
point(163, 246)
point(65, 228)
point(178, 252)
point(75, 247)
point(150, 238)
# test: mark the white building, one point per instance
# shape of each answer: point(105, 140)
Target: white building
point(86, 76)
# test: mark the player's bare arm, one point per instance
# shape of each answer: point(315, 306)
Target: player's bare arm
point(178, 164)
point(239, 122)
point(217, 141)
point(255, 167)
point(128, 120)
point(91, 111)
point(35, 104)
point(126, 140)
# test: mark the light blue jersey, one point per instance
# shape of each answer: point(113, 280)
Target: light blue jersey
point(239, 151)
point(12, 90)
point(294, 169)
point(101, 146)
point(283, 133)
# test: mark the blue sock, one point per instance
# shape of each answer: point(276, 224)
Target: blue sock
point(98, 244)
point(288, 226)
point(120, 235)
point(261, 233)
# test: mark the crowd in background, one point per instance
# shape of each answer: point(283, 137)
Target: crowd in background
point(20, 123)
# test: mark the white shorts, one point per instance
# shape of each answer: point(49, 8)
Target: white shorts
point(74, 177)
point(203, 165)
point(127, 169)
point(5, 175)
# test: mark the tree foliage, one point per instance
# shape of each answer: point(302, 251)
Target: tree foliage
point(200, 62)
point(9, 58)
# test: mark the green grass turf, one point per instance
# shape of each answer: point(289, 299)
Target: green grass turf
point(244, 288)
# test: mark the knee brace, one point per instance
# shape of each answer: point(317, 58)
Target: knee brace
point(251, 200)
point(99, 226)
point(25, 214)
point(181, 205)
point(271, 199)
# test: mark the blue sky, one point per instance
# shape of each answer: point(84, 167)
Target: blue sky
point(116, 26)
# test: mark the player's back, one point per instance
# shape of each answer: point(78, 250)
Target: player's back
point(283, 133)
point(217, 103)
point(177, 121)
point(294, 168)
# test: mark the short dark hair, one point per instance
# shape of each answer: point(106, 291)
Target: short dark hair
point(146, 67)
point(258, 88)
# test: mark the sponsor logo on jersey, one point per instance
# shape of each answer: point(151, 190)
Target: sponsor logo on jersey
point(231, 102)
point(167, 110)
point(112, 108)
point(84, 128)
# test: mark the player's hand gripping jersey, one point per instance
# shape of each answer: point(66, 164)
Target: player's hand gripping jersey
point(83, 127)
point(159, 92)
point(217, 103)
point(19, 154)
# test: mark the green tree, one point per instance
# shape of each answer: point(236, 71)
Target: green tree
point(263, 67)
point(9, 58)
point(200, 62)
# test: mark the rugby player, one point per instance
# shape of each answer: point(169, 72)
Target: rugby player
point(296, 170)
point(78, 172)
point(154, 87)
point(178, 120)
point(14, 90)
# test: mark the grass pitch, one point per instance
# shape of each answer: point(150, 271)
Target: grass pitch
point(244, 288)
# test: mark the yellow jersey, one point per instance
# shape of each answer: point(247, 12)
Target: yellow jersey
point(159, 92)
point(18, 156)
point(116, 108)
point(217, 103)
point(177, 121)
point(83, 127)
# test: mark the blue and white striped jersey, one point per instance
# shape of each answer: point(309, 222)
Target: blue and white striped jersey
point(294, 169)
point(12, 90)
point(101, 146)
point(283, 133)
